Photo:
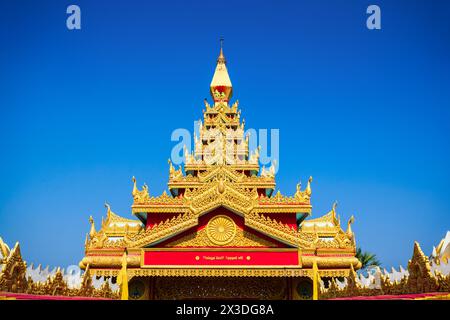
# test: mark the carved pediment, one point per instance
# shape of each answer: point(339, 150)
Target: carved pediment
point(200, 238)
point(221, 173)
point(221, 193)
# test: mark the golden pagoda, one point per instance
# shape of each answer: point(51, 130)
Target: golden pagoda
point(220, 231)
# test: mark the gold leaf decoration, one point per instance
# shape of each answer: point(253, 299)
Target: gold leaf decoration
point(221, 229)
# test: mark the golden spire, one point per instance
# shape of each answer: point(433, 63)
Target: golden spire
point(221, 88)
point(221, 59)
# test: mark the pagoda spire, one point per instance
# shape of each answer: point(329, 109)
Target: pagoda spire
point(221, 88)
point(221, 58)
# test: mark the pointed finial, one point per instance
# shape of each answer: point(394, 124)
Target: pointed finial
point(335, 205)
point(352, 219)
point(92, 231)
point(135, 190)
point(349, 228)
point(336, 220)
point(221, 58)
point(308, 187)
point(107, 206)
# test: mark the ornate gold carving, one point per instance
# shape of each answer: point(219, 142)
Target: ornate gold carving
point(12, 270)
point(333, 262)
point(304, 196)
point(174, 174)
point(57, 286)
point(221, 230)
point(228, 176)
point(106, 258)
point(13, 278)
point(164, 229)
point(4, 251)
point(279, 200)
point(268, 173)
point(163, 200)
point(280, 230)
point(419, 279)
point(220, 288)
point(226, 272)
point(113, 232)
point(140, 196)
point(224, 186)
point(241, 239)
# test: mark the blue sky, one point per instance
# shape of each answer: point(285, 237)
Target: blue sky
point(366, 113)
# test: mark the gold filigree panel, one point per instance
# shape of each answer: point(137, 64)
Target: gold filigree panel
point(220, 288)
point(221, 230)
point(241, 239)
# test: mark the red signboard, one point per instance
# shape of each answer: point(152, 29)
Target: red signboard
point(228, 257)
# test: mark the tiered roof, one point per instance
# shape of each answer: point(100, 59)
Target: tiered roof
point(222, 172)
point(221, 156)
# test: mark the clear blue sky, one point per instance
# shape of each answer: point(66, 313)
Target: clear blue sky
point(366, 113)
